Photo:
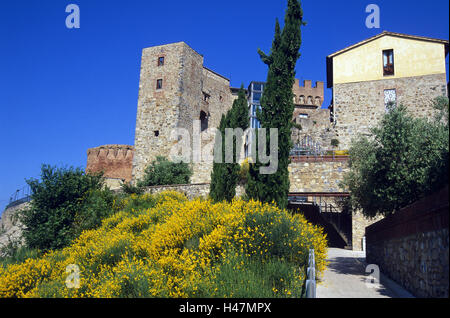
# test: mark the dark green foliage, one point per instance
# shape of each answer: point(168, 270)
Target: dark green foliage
point(277, 107)
point(129, 188)
point(14, 254)
point(226, 176)
point(406, 159)
point(97, 205)
point(56, 199)
point(164, 172)
point(334, 143)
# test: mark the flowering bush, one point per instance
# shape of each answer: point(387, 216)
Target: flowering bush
point(172, 247)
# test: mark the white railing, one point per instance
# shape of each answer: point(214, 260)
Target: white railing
point(311, 276)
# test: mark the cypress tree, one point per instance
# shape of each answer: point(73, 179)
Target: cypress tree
point(225, 176)
point(277, 107)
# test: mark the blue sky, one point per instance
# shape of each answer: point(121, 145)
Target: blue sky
point(63, 91)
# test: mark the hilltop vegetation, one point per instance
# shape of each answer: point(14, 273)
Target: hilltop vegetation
point(166, 246)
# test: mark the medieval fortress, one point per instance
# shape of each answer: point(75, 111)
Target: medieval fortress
point(177, 91)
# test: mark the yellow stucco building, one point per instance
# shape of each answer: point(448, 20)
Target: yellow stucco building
point(389, 67)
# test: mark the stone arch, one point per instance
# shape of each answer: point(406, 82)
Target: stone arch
point(310, 100)
point(301, 99)
point(317, 101)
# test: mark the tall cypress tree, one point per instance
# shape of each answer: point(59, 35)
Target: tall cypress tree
point(277, 107)
point(225, 176)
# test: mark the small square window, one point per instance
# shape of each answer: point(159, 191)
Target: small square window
point(161, 61)
point(159, 84)
point(156, 133)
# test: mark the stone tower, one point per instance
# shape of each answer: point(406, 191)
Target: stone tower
point(174, 90)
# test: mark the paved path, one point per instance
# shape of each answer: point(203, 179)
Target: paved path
point(346, 277)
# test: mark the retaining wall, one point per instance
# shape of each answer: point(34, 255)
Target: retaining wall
point(412, 246)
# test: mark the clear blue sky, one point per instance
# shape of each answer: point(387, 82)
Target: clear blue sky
point(63, 90)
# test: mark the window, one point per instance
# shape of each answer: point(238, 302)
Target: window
point(206, 97)
point(161, 61)
point(156, 132)
point(257, 86)
point(305, 116)
point(256, 97)
point(390, 99)
point(388, 62)
point(317, 102)
point(203, 121)
point(159, 84)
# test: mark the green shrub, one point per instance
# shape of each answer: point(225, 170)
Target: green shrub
point(18, 254)
point(179, 248)
point(97, 205)
point(163, 172)
point(56, 199)
point(129, 188)
point(405, 159)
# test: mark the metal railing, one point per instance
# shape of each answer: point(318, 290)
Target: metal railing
point(307, 147)
point(20, 196)
point(311, 276)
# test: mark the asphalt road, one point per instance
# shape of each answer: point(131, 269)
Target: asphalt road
point(346, 277)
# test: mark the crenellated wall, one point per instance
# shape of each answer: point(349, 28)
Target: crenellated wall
point(114, 160)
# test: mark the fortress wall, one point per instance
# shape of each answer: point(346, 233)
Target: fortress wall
point(181, 100)
point(114, 160)
point(305, 91)
point(317, 176)
point(10, 227)
point(158, 111)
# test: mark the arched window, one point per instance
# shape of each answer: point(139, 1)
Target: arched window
point(317, 101)
point(310, 100)
point(203, 121)
point(301, 100)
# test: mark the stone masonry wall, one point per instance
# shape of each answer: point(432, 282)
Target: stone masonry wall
point(10, 227)
point(359, 106)
point(412, 246)
point(317, 175)
point(188, 89)
point(192, 191)
point(158, 110)
point(359, 224)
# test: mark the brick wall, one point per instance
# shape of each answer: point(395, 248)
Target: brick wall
point(412, 246)
point(114, 160)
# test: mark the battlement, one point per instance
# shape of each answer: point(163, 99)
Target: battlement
point(307, 95)
point(115, 161)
